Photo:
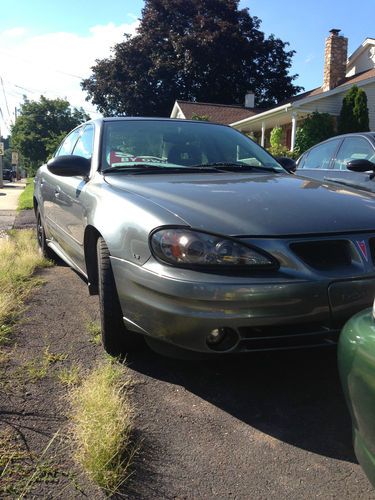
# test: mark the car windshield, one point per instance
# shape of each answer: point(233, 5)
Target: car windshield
point(179, 145)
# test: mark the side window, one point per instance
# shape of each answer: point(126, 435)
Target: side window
point(320, 156)
point(353, 148)
point(301, 161)
point(68, 143)
point(84, 145)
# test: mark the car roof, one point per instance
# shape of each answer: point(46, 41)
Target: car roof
point(106, 119)
point(369, 135)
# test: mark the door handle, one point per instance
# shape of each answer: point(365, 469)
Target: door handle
point(57, 190)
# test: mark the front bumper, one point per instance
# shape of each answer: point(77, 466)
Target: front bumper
point(183, 307)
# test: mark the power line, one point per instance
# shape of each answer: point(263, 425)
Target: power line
point(33, 62)
point(5, 97)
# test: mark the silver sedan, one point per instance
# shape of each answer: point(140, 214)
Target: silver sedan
point(196, 239)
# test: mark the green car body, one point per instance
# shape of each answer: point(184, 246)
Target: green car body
point(356, 360)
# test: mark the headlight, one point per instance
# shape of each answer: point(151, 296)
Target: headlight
point(187, 248)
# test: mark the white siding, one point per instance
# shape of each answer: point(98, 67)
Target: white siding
point(370, 91)
point(363, 62)
point(332, 104)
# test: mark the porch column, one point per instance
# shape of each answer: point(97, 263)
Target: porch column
point(262, 140)
point(294, 129)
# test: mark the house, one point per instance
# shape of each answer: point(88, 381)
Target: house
point(340, 73)
point(219, 113)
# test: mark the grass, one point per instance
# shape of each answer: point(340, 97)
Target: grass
point(94, 330)
point(25, 201)
point(37, 369)
point(69, 376)
point(102, 423)
point(20, 470)
point(20, 257)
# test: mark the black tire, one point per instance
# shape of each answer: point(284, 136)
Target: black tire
point(116, 338)
point(41, 237)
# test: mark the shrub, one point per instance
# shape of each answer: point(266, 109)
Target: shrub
point(277, 148)
point(201, 118)
point(354, 112)
point(317, 127)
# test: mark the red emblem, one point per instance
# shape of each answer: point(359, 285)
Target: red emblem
point(363, 249)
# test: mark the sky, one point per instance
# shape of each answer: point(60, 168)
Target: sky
point(48, 46)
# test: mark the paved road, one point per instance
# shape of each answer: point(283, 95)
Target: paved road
point(255, 427)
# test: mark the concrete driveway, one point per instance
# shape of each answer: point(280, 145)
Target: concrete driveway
point(9, 195)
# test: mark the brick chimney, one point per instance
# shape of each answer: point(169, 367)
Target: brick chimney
point(335, 56)
point(249, 99)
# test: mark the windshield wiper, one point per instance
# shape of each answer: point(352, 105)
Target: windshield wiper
point(149, 168)
point(237, 166)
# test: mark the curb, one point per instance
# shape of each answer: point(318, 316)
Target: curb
point(24, 219)
point(11, 219)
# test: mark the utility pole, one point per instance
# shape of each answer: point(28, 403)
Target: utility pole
point(15, 164)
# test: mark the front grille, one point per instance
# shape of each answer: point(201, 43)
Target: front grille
point(287, 336)
point(324, 255)
point(371, 242)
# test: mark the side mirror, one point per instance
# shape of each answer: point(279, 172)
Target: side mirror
point(69, 166)
point(360, 165)
point(288, 163)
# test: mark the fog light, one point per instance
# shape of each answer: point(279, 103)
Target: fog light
point(222, 339)
point(216, 336)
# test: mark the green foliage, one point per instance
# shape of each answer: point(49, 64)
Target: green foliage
point(102, 425)
point(277, 148)
point(40, 127)
point(20, 257)
point(276, 137)
point(202, 118)
point(279, 151)
point(360, 111)
point(317, 127)
point(7, 158)
point(25, 201)
point(200, 50)
point(354, 112)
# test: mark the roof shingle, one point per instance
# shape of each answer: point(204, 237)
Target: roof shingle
point(359, 77)
point(219, 113)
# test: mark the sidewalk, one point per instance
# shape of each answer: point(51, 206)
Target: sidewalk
point(9, 195)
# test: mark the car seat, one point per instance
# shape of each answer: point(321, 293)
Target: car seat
point(184, 154)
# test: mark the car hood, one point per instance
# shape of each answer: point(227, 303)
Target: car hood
point(254, 204)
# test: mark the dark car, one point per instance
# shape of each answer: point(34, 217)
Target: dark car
point(7, 174)
point(345, 159)
point(195, 237)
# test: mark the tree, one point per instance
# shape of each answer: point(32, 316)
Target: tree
point(354, 112)
point(40, 127)
point(204, 50)
point(317, 127)
point(360, 112)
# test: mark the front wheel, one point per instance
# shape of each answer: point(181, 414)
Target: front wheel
point(41, 236)
point(116, 338)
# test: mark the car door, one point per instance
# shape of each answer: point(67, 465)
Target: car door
point(317, 162)
point(353, 148)
point(71, 200)
point(50, 188)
